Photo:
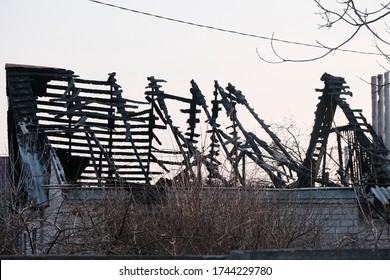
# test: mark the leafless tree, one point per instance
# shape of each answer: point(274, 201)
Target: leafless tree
point(352, 14)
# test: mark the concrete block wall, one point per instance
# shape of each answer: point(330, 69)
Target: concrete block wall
point(337, 212)
point(344, 222)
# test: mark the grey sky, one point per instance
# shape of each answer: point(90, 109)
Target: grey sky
point(94, 40)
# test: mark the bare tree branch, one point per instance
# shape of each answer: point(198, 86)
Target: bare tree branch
point(350, 15)
point(328, 51)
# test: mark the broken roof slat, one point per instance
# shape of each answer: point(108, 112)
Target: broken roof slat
point(91, 82)
point(82, 152)
point(168, 96)
point(84, 90)
point(46, 121)
point(82, 111)
point(382, 194)
point(65, 143)
point(92, 99)
point(53, 130)
point(86, 107)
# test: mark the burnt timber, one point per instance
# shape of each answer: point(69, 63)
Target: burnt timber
point(367, 160)
point(83, 131)
point(64, 130)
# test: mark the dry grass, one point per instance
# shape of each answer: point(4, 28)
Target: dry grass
point(191, 220)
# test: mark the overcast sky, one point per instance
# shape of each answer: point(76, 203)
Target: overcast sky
point(94, 40)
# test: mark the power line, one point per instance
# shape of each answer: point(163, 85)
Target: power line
point(273, 39)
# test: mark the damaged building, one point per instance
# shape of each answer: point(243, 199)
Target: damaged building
point(64, 130)
point(71, 138)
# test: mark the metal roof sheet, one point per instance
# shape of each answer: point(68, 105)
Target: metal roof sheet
point(382, 194)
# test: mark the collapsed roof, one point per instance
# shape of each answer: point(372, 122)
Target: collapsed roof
point(64, 130)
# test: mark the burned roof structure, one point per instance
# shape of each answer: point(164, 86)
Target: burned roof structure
point(367, 159)
point(68, 131)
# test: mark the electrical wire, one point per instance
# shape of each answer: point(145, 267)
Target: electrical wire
point(272, 39)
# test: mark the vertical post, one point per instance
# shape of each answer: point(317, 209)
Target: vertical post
point(340, 155)
point(374, 104)
point(387, 111)
point(346, 163)
point(380, 107)
point(111, 127)
point(243, 168)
